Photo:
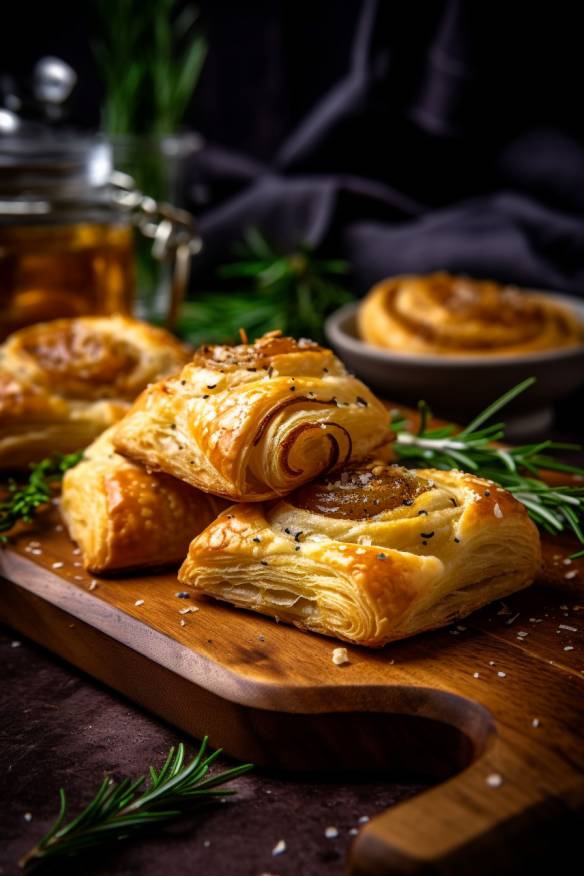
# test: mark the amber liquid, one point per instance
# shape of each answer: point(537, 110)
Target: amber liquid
point(50, 271)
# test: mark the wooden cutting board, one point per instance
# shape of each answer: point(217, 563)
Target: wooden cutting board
point(491, 709)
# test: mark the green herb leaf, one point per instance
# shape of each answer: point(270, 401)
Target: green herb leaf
point(23, 502)
point(293, 292)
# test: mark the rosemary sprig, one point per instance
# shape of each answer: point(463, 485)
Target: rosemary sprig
point(119, 809)
point(517, 469)
point(292, 291)
point(23, 502)
point(150, 55)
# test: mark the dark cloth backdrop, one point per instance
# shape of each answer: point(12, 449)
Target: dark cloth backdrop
point(408, 136)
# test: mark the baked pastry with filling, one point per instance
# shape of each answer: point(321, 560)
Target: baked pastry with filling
point(369, 554)
point(254, 421)
point(63, 382)
point(451, 315)
point(124, 518)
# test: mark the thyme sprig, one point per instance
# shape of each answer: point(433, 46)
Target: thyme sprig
point(120, 809)
point(555, 508)
point(22, 502)
point(293, 291)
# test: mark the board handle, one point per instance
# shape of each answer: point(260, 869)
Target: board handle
point(502, 815)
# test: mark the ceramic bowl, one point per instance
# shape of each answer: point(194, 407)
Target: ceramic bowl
point(461, 386)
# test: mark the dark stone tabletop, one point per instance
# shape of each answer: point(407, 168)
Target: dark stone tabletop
point(61, 728)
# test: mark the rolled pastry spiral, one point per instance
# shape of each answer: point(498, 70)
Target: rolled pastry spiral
point(453, 315)
point(370, 554)
point(63, 382)
point(254, 421)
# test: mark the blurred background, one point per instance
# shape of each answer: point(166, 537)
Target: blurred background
point(321, 146)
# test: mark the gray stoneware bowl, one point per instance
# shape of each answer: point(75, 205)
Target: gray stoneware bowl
point(461, 386)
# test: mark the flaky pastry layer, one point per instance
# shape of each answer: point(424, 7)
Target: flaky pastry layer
point(254, 421)
point(124, 518)
point(372, 555)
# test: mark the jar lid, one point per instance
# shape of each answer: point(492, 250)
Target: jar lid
point(36, 161)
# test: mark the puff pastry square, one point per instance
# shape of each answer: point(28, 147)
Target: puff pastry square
point(124, 518)
point(371, 554)
point(63, 382)
point(254, 421)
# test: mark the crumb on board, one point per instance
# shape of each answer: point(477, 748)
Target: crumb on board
point(494, 780)
point(340, 656)
point(279, 848)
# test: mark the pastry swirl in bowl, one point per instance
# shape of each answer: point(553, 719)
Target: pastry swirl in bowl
point(254, 421)
point(452, 315)
point(369, 554)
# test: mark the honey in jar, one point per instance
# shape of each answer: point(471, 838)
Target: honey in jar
point(65, 247)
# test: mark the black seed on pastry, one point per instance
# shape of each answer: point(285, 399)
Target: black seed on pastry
point(183, 383)
point(173, 425)
point(292, 389)
point(256, 539)
point(297, 548)
point(454, 503)
point(362, 402)
point(381, 556)
point(487, 493)
point(287, 531)
point(408, 502)
point(264, 562)
point(457, 540)
point(211, 385)
point(297, 535)
point(205, 396)
point(424, 542)
point(422, 512)
point(325, 370)
point(183, 595)
point(427, 534)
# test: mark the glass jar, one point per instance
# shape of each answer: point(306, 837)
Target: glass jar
point(66, 242)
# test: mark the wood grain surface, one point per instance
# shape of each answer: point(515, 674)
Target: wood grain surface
point(493, 708)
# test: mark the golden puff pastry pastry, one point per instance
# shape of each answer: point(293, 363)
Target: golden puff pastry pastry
point(449, 315)
point(124, 518)
point(371, 554)
point(254, 421)
point(63, 382)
